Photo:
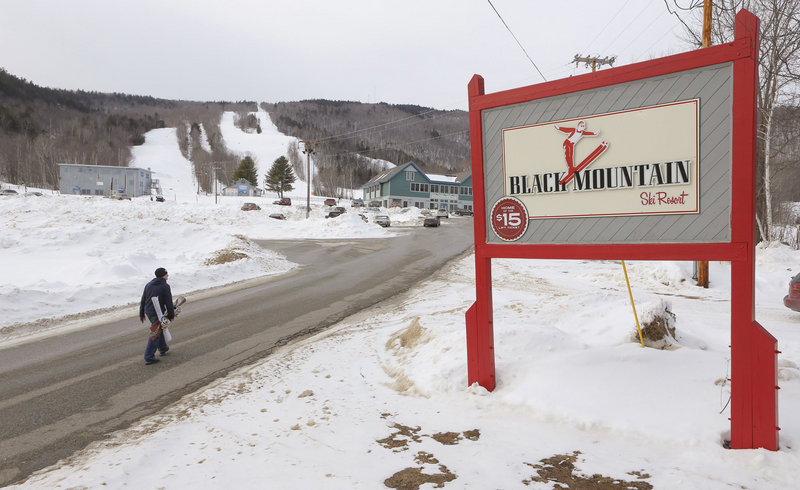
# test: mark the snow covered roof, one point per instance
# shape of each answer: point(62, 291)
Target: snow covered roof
point(442, 178)
point(387, 175)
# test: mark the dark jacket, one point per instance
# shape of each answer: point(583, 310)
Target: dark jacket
point(157, 287)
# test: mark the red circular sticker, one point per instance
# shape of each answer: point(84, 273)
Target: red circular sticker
point(509, 219)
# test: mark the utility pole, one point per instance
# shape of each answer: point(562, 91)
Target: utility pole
point(702, 265)
point(707, 23)
point(594, 61)
point(308, 151)
point(214, 169)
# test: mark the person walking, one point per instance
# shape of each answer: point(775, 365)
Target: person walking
point(159, 289)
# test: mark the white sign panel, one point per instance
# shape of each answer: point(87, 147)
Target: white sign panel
point(636, 162)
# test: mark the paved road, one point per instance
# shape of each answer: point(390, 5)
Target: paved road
point(60, 393)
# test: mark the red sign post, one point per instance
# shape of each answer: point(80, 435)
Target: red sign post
point(711, 215)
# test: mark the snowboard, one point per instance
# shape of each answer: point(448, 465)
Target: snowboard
point(164, 322)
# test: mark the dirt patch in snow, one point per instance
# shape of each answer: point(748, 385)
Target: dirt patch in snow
point(560, 469)
point(413, 478)
point(408, 337)
point(427, 467)
point(225, 256)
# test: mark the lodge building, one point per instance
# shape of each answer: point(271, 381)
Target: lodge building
point(408, 186)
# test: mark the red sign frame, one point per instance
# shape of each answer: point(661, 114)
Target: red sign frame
point(754, 399)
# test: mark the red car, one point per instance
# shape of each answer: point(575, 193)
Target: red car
point(250, 206)
point(792, 300)
point(330, 202)
point(284, 201)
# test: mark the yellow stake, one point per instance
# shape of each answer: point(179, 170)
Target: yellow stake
point(630, 293)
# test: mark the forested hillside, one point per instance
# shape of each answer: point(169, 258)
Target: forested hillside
point(42, 127)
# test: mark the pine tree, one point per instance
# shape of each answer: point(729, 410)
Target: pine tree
point(247, 170)
point(280, 177)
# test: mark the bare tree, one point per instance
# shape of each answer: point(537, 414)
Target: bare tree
point(779, 74)
point(293, 153)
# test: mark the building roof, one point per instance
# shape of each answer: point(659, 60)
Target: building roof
point(101, 166)
point(387, 175)
point(442, 178)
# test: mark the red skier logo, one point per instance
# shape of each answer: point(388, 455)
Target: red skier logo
point(573, 136)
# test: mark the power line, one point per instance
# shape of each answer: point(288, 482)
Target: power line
point(646, 29)
point(608, 23)
point(517, 40)
point(400, 145)
point(623, 31)
point(357, 131)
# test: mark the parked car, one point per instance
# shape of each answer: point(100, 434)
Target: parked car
point(792, 300)
point(383, 220)
point(395, 204)
point(374, 204)
point(336, 211)
point(284, 201)
point(8, 192)
point(249, 206)
point(373, 210)
point(122, 196)
point(431, 221)
point(330, 202)
point(442, 213)
point(357, 203)
point(160, 198)
point(277, 216)
point(463, 212)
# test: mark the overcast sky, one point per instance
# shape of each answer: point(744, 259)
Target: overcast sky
point(420, 52)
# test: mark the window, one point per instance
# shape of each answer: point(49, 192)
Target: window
point(434, 187)
point(410, 175)
point(453, 189)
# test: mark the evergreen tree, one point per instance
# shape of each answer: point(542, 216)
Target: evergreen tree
point(247, 170)
point(280, 177)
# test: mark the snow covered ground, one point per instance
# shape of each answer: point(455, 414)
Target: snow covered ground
point(382, 397)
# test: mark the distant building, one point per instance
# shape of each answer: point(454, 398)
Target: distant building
point(408, 186)
point(104, 180)
point(242, 187)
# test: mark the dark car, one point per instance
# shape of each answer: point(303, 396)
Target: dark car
point(383, 220)
point(374, 204)
point(338, 210)
point(330, 202)
point(463, 212)
point(8, 192)
point(160, 198)
point(284, 201)
point(792, 300)
point(277, 216)
point(357, 203)
point(251, 206)
point(431, 221)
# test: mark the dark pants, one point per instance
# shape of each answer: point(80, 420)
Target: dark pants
point(159, 343)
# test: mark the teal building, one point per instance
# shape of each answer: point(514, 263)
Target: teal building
point(408, 186)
